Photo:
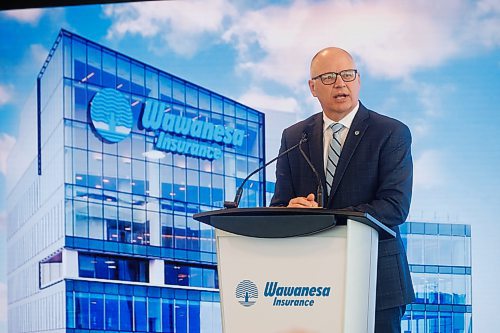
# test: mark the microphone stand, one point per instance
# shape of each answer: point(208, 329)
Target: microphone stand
point(319, 191)
point(239, 191)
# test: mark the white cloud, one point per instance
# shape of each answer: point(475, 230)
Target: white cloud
point(390, 38)
point(31, 16)
point(5, 94)
point(181, 24)
point(283, 43)
point(29, 66)
point(420, 127)
point(430, 99)
point(261, 101)
point(484, 27)
point(429, 171)
point(296, 32)
point(38, 55)
point(6, 144)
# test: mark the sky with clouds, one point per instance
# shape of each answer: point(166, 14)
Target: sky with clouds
point(434, 65)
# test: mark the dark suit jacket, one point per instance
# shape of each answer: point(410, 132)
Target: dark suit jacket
point(374, 175)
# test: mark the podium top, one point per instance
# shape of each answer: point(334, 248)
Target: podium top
point(281, 222)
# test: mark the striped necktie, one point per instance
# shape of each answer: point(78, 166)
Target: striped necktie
point(333, 154)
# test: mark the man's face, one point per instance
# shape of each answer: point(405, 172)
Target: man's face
point(339, 98)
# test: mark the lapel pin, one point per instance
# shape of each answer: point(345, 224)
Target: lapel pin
point(356, 133)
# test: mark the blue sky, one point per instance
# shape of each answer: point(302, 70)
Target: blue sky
point(434, 65)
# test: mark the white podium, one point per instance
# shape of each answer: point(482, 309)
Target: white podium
point(285, 270)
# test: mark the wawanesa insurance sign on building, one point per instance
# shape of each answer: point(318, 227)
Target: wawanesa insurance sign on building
point(111, 116)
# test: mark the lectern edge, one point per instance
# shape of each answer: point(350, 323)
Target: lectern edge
point(285, 222)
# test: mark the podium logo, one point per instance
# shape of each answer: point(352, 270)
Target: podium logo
point(295, 295)
point(247, 293)
point(111, 115)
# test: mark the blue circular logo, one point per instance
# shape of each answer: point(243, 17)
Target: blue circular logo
point(247, 293)
point(111, 115)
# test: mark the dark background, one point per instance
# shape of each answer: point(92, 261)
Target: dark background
point(12, 4)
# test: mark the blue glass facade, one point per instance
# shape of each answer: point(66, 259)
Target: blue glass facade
point(115, 191)
point(440, 263)
point(137, 260)
point(95, 306)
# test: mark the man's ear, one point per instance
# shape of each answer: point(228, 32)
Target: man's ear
point(312, 87)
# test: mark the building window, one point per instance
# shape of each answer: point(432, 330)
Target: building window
point(140, 313)
point(167, 307)
point(82, 310)
point(112, 311)
point(113, 268)
point(439, 258)
point(140, 309)
point(126, 315)
point(100, 215)
point(191, 275)
point(51, 270)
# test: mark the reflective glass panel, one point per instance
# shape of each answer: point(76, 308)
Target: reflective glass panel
point(111, 316)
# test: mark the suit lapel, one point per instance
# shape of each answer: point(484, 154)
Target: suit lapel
point(356, 132)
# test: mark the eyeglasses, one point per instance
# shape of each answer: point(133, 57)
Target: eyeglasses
point(347, 75)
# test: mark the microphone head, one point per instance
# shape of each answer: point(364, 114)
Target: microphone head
point(230, 204)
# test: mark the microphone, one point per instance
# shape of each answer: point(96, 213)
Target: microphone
point(239, 191)
point(319, 191)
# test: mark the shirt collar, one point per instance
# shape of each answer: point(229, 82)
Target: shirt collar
point(346, 121)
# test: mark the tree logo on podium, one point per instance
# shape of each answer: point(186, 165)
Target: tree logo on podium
point(247, 293)
point(111, 115)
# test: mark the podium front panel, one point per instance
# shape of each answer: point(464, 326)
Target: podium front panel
point(286, 285)
point(361, 278)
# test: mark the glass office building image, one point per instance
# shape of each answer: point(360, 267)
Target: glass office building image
point(119, 156)
point(440, 263)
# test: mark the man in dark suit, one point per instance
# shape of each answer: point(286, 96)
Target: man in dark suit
point(366, 166)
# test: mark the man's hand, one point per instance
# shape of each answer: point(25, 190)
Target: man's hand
point(303, 202)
